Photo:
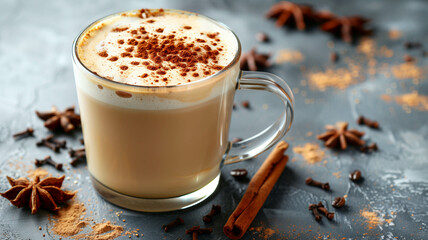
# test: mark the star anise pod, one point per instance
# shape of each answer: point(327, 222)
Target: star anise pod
point(345, 27)
point(253, 61)
point(290, 13)
point(67, 120)
point(340, 136)
point(46, 193)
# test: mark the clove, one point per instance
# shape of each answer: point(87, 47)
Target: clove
point(369, 123)
point(314, 209)
point(338, 202)
point(197, 230)
point(309, 181)
point(176, 222)
point(246, 104)
point(370, 148)
point(216, 209)
point(48, 160)
point(59, 143)
point(321, 208)
point(77, 155)
point(355, 175)
point(26, 133)
point(46, 143)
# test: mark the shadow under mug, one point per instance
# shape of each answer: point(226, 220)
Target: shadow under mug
point(162, 158)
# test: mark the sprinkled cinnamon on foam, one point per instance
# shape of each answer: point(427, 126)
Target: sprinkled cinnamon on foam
point(172, 48)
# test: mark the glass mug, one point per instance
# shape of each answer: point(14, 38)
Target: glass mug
point(161, 148)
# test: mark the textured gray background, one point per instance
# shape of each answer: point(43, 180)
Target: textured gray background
point(36, 72)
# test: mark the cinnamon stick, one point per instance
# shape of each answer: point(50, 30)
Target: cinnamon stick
point(257, 192)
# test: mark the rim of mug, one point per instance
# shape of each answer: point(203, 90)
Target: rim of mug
point(79, 63)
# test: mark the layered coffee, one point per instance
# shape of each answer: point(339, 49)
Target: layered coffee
point(155, 100)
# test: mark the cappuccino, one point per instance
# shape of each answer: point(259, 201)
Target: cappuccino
point(156, 100)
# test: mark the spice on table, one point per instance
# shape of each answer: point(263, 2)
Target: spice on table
point(355, 175)
point(257, 192)
point(246, 104)
point(408, 58)
point(311, 182)
point(176, 222)
point(26, 133)
point(338, 202)
point(314, 209)
point(67, 120)
point(82, 141)
point(340, 136)
point(262, 37)
point(254, 61)
point(77, 155)
point(369, 123)
point(48, 160)
point(412, 45)
point(346, 27)
point(291, 14)
point(334, 57)
point(197, 230)
point(46, 193)
point(370, 148)
point(239, 172)
point(215, 209)
point(321, 208)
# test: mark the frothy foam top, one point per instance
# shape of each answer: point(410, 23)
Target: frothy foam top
point(156, 48)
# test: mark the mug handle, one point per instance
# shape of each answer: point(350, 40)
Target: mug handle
point(257, 144)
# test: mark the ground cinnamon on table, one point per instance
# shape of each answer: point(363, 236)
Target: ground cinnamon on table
point(257, 192)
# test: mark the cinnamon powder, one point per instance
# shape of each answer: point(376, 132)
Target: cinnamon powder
point(286, 55)
point(311, 152)
point(69, 220)
point(407, 70)
point(413, 100)
point(371, 218)
point(339, 78)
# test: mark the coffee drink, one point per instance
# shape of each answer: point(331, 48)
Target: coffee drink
point(156, 100)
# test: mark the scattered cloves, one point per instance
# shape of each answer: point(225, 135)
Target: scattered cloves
point(246, 104)
point(48, 160)
point(370, 148)
point(77, 155)
point(309, 181)
point(355, 175)
point(408, 58)
point(369, 123)
point(412, 45)
point(321, 208)
point(262, 37)
point(26, 133)
point(334, 57)
point(197, 230)
point(239, 173)
point(46, 143)
point(52, 143)
point(314, 209)
point(338, 202)
point(176, 222)
point(216, 209)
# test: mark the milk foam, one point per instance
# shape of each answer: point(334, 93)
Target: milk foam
point(90, 44)
point(102, 38)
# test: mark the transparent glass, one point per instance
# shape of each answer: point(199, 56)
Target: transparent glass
point(160, 149)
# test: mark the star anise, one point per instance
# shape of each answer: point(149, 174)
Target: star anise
point(345, 27)
point(253, 61)
point(340, 136)
point(67, 120)
point(291, 14)
point(46, 193)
